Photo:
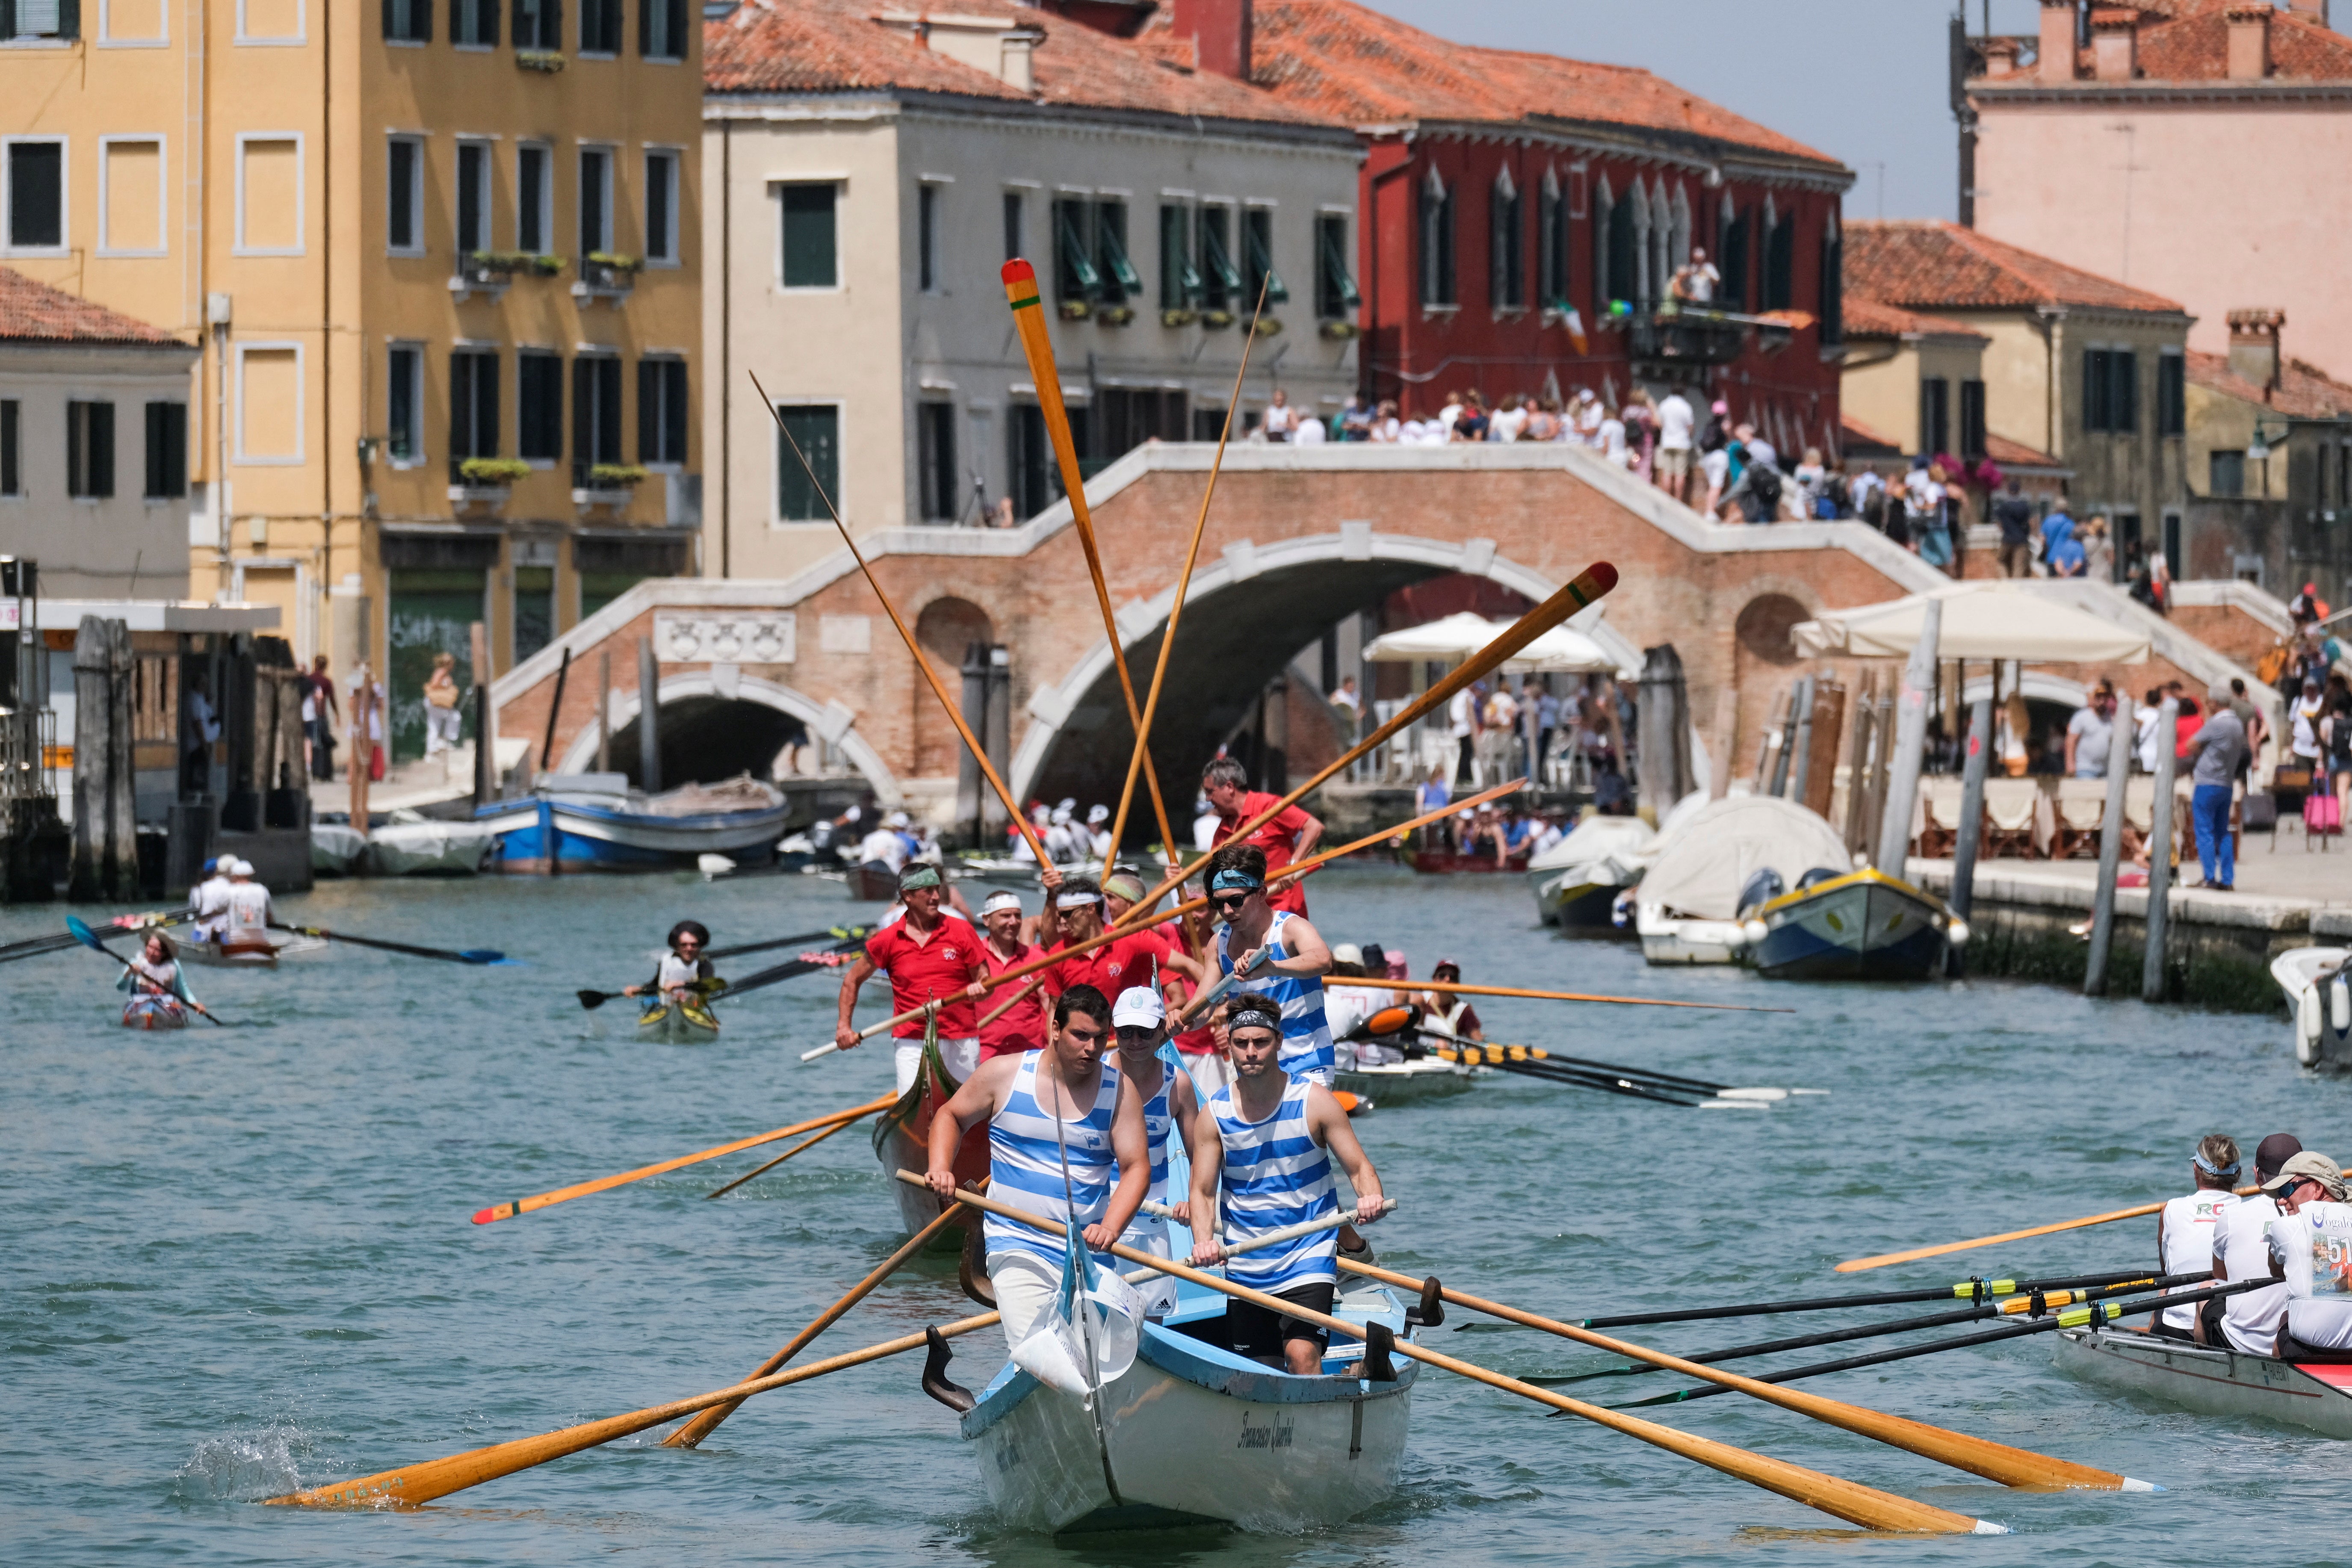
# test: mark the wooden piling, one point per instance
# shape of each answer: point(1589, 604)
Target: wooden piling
point(2159, 844)
point(2111, 848)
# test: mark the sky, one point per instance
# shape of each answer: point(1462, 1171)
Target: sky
point(1862, 80)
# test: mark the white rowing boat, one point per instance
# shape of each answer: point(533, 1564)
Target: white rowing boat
point(2318, 985)
point(249, 951)
point(1407, 1083)
point(2315, 1395)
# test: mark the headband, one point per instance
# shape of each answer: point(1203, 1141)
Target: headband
point(918, 876)
point(1077, 899)
point(1233, 878)
point(1264, 1014)
point(1001, 901)
point(2211, 1169)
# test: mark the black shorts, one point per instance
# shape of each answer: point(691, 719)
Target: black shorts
point(1258, 1331)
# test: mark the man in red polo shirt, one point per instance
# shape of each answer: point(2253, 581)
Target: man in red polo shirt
point(1022, 1026)
point(1291, 836)
point(931, 955)
point(1138, 958)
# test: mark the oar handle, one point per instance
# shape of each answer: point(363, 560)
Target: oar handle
point(868, 1032)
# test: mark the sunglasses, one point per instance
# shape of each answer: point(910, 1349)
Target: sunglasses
point(1227, 901)
point(1128, 1034)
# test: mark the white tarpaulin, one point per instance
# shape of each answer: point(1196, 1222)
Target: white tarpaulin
point(1981, 621)
point(1458, 635)
point(1597, 839)
point(1712, 856)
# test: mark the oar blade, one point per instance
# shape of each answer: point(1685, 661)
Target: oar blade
point(83, 934)
point(484, 955)
point(592, 1000)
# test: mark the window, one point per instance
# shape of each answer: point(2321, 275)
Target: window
point(269, 404)
point(600, 27)
point(927, 237)
point(1074, 276)
point(41, 19)
point(404, 195)
point(1335, 287)
point(474, 23)
point(2095, 376)
point(408, 21)
point(1224, 280)
point(12, 476)
point(1972, 419)
point(811, 256)
point(167, 451)
point(935, 461)
point(2172, 394)
point(269, 195)
point(661, 29)
point(473, 404)
point(539, 25)
point(815, 428)
point(534, 198)
point(595, 415)
point(1132, 415)
point(1780, 264)
point(1735, 260)
point(1180, 281)
point(1551, 246)
point(1028, 461)
point(595, 201)
point(267, 21)
point(1257, 236)
point(2123, 394)
point(131, 212)
point(89, 449)
point(1620, 248)
point(1120, 281)
point(1012, 226)
point(473, 197)
point(661, 411)
point(37, 195)
point(1507, 281)
point(403, 426)
point(661, 208)
point(2226, 474)
point(539, 407)
point(1436, 224)
point(1935, 414)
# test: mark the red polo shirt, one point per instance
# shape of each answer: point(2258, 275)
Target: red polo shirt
point(1022, 1027)
point(1132, 960)
point(1278, 839)
point(940, 967)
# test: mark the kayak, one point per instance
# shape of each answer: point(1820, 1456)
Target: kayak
point(677, 1023)
point(153, 1012)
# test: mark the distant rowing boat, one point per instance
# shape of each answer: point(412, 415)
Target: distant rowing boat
point(261, 950)
point(2315, 1395)
point(1408, 1083)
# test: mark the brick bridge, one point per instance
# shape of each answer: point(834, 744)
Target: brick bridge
point(1297, 540)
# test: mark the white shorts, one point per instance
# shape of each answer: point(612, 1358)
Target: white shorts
point(1026, 1287)
point(961, 1057)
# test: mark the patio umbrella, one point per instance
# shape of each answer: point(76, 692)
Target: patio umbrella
point(1980, 621)
point(1458, 635)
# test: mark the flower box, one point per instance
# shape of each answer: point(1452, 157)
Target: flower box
point(614, 476)
point(1217, 317)
point(481, 473)
point(546, 60)
point(1339, 332)
point(1077, 310)
point(1267, 326)
point(1179, 318)
point(1114, 315)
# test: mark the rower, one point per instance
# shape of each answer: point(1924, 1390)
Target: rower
point(1022, 1026)
point(208, 901)
point(1063, 1126)
point(1290, 835)
point(1139, 1020)
point(1097, 833)
point(1279, 950)
point(153, 980)
point(1268, 1140)
point(2308, 1244)
point(2249, 1321)
point(247, 917)
point(933, 957)
point(1138, 958)
point(1443, 1012)
point(2185, 1227)
point(675, 977)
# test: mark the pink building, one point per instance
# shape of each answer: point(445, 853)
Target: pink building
point(2196, 149)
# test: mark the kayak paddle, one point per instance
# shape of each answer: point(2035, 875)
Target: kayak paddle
point(464, 955)
point(88, 939)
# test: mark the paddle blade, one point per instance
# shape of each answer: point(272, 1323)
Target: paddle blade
point(1388, 1020)
point(592, 1000)
point(84, 935)
point(483, 955)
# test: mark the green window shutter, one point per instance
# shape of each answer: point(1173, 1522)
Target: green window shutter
point(1078, 278)
point(1339, 286)
point(1113, 257)
point(1257, 233)
point(1221, 265)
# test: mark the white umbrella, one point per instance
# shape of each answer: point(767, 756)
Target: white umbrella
point(1458, 635)
point(1981, 621)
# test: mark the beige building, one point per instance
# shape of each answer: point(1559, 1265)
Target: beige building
point(2269, 456)
point(442, 258)
point(1911, 384)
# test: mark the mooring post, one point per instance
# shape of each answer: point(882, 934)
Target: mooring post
point(2160, 847)
point(2111, 848)
point(1972, 829)
point(1910, 737)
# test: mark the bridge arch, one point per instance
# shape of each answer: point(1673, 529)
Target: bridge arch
point(710, 695)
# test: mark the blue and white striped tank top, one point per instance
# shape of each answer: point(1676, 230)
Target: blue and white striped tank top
point(1306, 1034)
point(1276, 1175)
point(1025, 1163)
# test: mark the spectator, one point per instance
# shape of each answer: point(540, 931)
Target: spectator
point(1641, 417)
point(1756, 495)
point(442, 719)
point(1002, 516)
point(2098, 551)
point(2216, 745)
point(199, 729)
point(1865, 496)
point(1447, 415)
point(1548, 714)
point(2065, 557)
point(1923, 513)
point(1309, 431)
point(1462, 723)
point(1345, 700)
point(2154, 587)
point(1386, 427)
point(1695, 282)
point(2057, 525)
point(1471, 420)
point(2014, 513)
point(1674, 464)
point(1544, 423)
point(2338, 737)
point(2184, 725)
point(2305, 607)
point(1589, 416)
point(2303, 717)
point(323, 714)
point(1508, 420)
point(1355, 420)
point(2090, 734)
point(1612, 437)
point(1812, 483)
point(1718, 433)
point(1281, 421)
point(1432, 795)
point(1496, 741)
point(2145, 720)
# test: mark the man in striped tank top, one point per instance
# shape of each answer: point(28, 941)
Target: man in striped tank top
point(1140, 1019)
point(1283, 955)
point(1268, 1140)
point(1064, 1139)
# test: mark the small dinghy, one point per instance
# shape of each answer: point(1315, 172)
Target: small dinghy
point(902, 1136)
point(677, 1023)
point(1859, 925)
point(2212, 1380)
point(1577, 880)
point(251, 952)
point(2318, 985)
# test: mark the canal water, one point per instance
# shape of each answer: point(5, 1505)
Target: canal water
point(239, 1261)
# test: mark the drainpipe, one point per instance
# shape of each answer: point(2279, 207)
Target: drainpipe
point(2046, 318)
point(726, 347)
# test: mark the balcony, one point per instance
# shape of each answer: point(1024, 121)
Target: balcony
point(606, 277)
point(1687, 335)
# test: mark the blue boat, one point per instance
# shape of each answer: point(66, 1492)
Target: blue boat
point(1863, 925)
point(595, 823)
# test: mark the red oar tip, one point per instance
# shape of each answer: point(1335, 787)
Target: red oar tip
point(483, 1216)
point(1601, 576)
point(1019, 271)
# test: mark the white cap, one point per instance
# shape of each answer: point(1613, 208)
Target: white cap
point(1097, 813)
point(1061, 815)
point(1138, 1007)
point(1347, 952)
point(895, 819)
point(230, 866)
point(1006, 901)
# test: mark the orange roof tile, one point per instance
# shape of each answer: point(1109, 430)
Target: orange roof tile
point(34, 312)
point(1860, 440)
point(1929, 264)
point(2193, 45)
point(1354, 65)
point(1871, 319)
point(2012, 454)
point(2304, 390)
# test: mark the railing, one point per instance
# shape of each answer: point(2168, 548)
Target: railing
point(27, 740)
point(1699, 334)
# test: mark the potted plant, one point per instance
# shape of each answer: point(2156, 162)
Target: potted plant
point(546, 266)
point(1339, 332)
point(614, 476)
point(547, 60)
point(1179, 318)
point(490, 473)
point(1267, 326)
point(1077, 310)
point(1114, 315)
point(1217, 317)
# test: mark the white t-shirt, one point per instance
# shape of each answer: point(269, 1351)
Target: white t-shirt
point(1674, 420)
point(1613, 440)
point(2242, 1245)
point(2187, 1227)
point(1447, 416)
point(1507, 424)
point(885, 846)
point(1922, 496)
point(2315, 1244)
point(210, 900)
point(1309, 432)
point(248, 912)
point(2305, 713)
point(1457, 713)
point(1280, 420)
point(676, 972)
point(1344, 1007)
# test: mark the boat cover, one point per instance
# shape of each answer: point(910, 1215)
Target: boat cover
point(1596, 841)
point(1711, 858)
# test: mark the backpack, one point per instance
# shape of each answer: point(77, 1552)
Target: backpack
point(1764, 484)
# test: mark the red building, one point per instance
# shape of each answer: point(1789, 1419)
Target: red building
point(1520, 215)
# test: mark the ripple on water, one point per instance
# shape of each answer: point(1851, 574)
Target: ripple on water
point(246, 1465)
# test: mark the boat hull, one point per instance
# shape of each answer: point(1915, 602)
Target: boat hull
point(2315, 1395)
point(1572, 905)
point(262, 954)
point(155, 1013)
point(873, 882)
point(1444, 862)
point(902, 1136)
point(1861, 926)
point(1675, 939)
point(676, 1025)
point(1407, 1083)
point(2318, 988)
point(580, 836)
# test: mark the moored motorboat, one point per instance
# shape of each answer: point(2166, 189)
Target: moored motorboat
point(2315, 1395)
point(1577, 880)
point(1688, 907)
point(2318, 985)
point(677, 1023)
point(902, 1142)
point(594, 822)
point(1444, 862)
point(1859, 925)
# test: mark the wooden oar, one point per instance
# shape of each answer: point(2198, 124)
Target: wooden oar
point(922, 661)
point(1857, 1265)
point(79, 932)
point(605, 1184)
point(58, 941)
point(1845, 1500)
point(1459, 989)
point(810, 1142)
point(1141, 917)
point(692, 1434)
point(466, 956)
point(1029, 317)
point(1978, 1456)
point(839, 933)
point(1965, 1291)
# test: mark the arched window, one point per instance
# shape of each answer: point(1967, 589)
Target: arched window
point(1507, 241)
point(1552, 270)
point(1437, 242)
point(1733, 225)
point(1641, 285)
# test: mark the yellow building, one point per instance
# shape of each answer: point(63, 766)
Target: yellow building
point(442, 258)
